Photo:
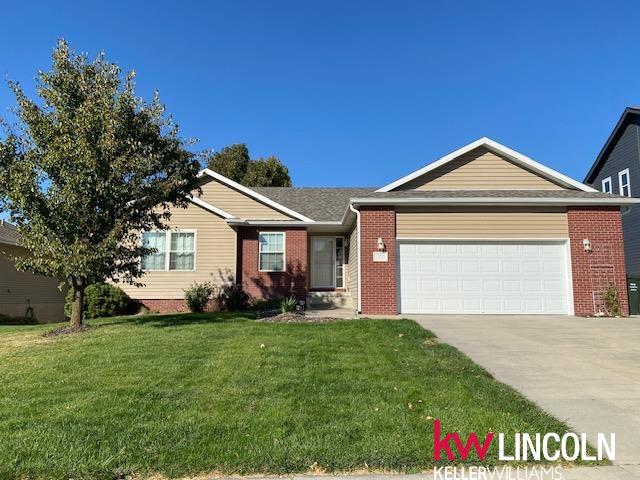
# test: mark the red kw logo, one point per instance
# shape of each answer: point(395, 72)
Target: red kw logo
point(444, 444)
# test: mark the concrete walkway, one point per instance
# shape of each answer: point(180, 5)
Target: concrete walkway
point(582, 473)
point(585, 371)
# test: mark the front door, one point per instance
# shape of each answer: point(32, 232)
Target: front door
point(323, 262)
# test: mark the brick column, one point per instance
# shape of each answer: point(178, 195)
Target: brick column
point(378, 295)
point(273, 284)
point(594, 271)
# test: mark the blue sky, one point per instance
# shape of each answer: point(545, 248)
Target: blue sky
point(361, 92)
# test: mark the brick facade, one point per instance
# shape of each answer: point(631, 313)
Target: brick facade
point(273, 284)
point(165, 305)
point(379, 287)
point(173, 305)
point(594, 271)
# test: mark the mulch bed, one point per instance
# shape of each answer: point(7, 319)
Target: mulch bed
point(67, 330)
point(294, 317)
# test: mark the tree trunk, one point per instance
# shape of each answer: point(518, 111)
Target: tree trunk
point(77, 308)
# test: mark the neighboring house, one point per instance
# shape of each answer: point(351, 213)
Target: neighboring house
point(617, 170)
point(482, 230)
point(21, 290)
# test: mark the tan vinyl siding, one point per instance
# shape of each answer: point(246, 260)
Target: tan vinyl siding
point(238, 204)
point(18, 290)
point(478, 222)
point(352, 266)
point(215, 256)
point(480, 169)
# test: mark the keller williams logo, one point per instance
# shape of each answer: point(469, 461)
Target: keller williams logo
point(444, 444)
point(536, 447)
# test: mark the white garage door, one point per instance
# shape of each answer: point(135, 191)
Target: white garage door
point(483, 277)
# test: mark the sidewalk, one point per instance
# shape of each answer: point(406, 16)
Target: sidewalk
point(616, 472)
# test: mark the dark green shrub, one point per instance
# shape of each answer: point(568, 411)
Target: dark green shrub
point(288, 304)
point(232, 298)
point(7, 320)
point(198, 295)
point(102, 300)
point(265, 303)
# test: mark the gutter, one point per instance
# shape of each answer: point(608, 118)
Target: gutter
point(357, 212)
point(614, 201)
point(279, 223)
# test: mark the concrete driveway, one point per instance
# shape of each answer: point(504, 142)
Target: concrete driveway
point(585, 371)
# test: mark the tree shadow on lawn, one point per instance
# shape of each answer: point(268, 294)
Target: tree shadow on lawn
point(179, 319)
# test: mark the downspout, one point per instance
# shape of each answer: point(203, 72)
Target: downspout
point(357, 212)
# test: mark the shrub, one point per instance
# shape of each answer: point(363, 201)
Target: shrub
point(611, 299)
point(265, 303)
point(102, 300)
point(288, 304)
point(198, 295)
point(7, 320)
point(232, 297)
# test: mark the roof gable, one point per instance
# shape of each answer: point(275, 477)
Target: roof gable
point(233, 200)
point(522, 172)
point(629, 115)
point(481, 169)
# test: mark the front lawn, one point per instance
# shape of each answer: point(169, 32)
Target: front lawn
point(188, 394)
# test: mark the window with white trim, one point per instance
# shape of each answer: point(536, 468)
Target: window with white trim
point(271, 251)
point(182, 253)
point(157, 260)
point(339, 262)
point(624, 183)
point(175, 251)
point(606, 185)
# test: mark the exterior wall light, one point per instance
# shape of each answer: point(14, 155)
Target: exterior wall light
point(586, 243)
point(380, 244)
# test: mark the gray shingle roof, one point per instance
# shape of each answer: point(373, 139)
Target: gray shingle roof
point(8, 233)
point(319, 204)
point(330, 204)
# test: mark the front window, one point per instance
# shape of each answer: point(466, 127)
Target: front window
point(606, 185)
point(174, 251)
point(182, 254)
point(157, 260)
point(271, 251)
point(339, 262)
point(625, 184)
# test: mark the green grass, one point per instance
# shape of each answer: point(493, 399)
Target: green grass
point(189, 394)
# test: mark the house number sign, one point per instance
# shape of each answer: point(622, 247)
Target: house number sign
point(380, 256)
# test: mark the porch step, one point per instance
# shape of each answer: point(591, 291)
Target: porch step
point(329, 300)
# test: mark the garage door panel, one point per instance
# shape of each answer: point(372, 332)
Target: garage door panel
point(428, 266)
point(426, 248)
point(552, 266)
point(449, 287)
point(533, 286)
point(531, 267)
point(511, 266)
point(483, 277)
point(471, 285)
point(470, 266)
point(447, 249)
point(490, 266)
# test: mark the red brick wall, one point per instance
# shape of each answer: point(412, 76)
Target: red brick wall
point(165, 305)
point(273, 284)
point(173, 305)
point(379, 287)
point(593, 271)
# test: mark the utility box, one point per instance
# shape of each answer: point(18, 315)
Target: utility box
point(633, 287)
